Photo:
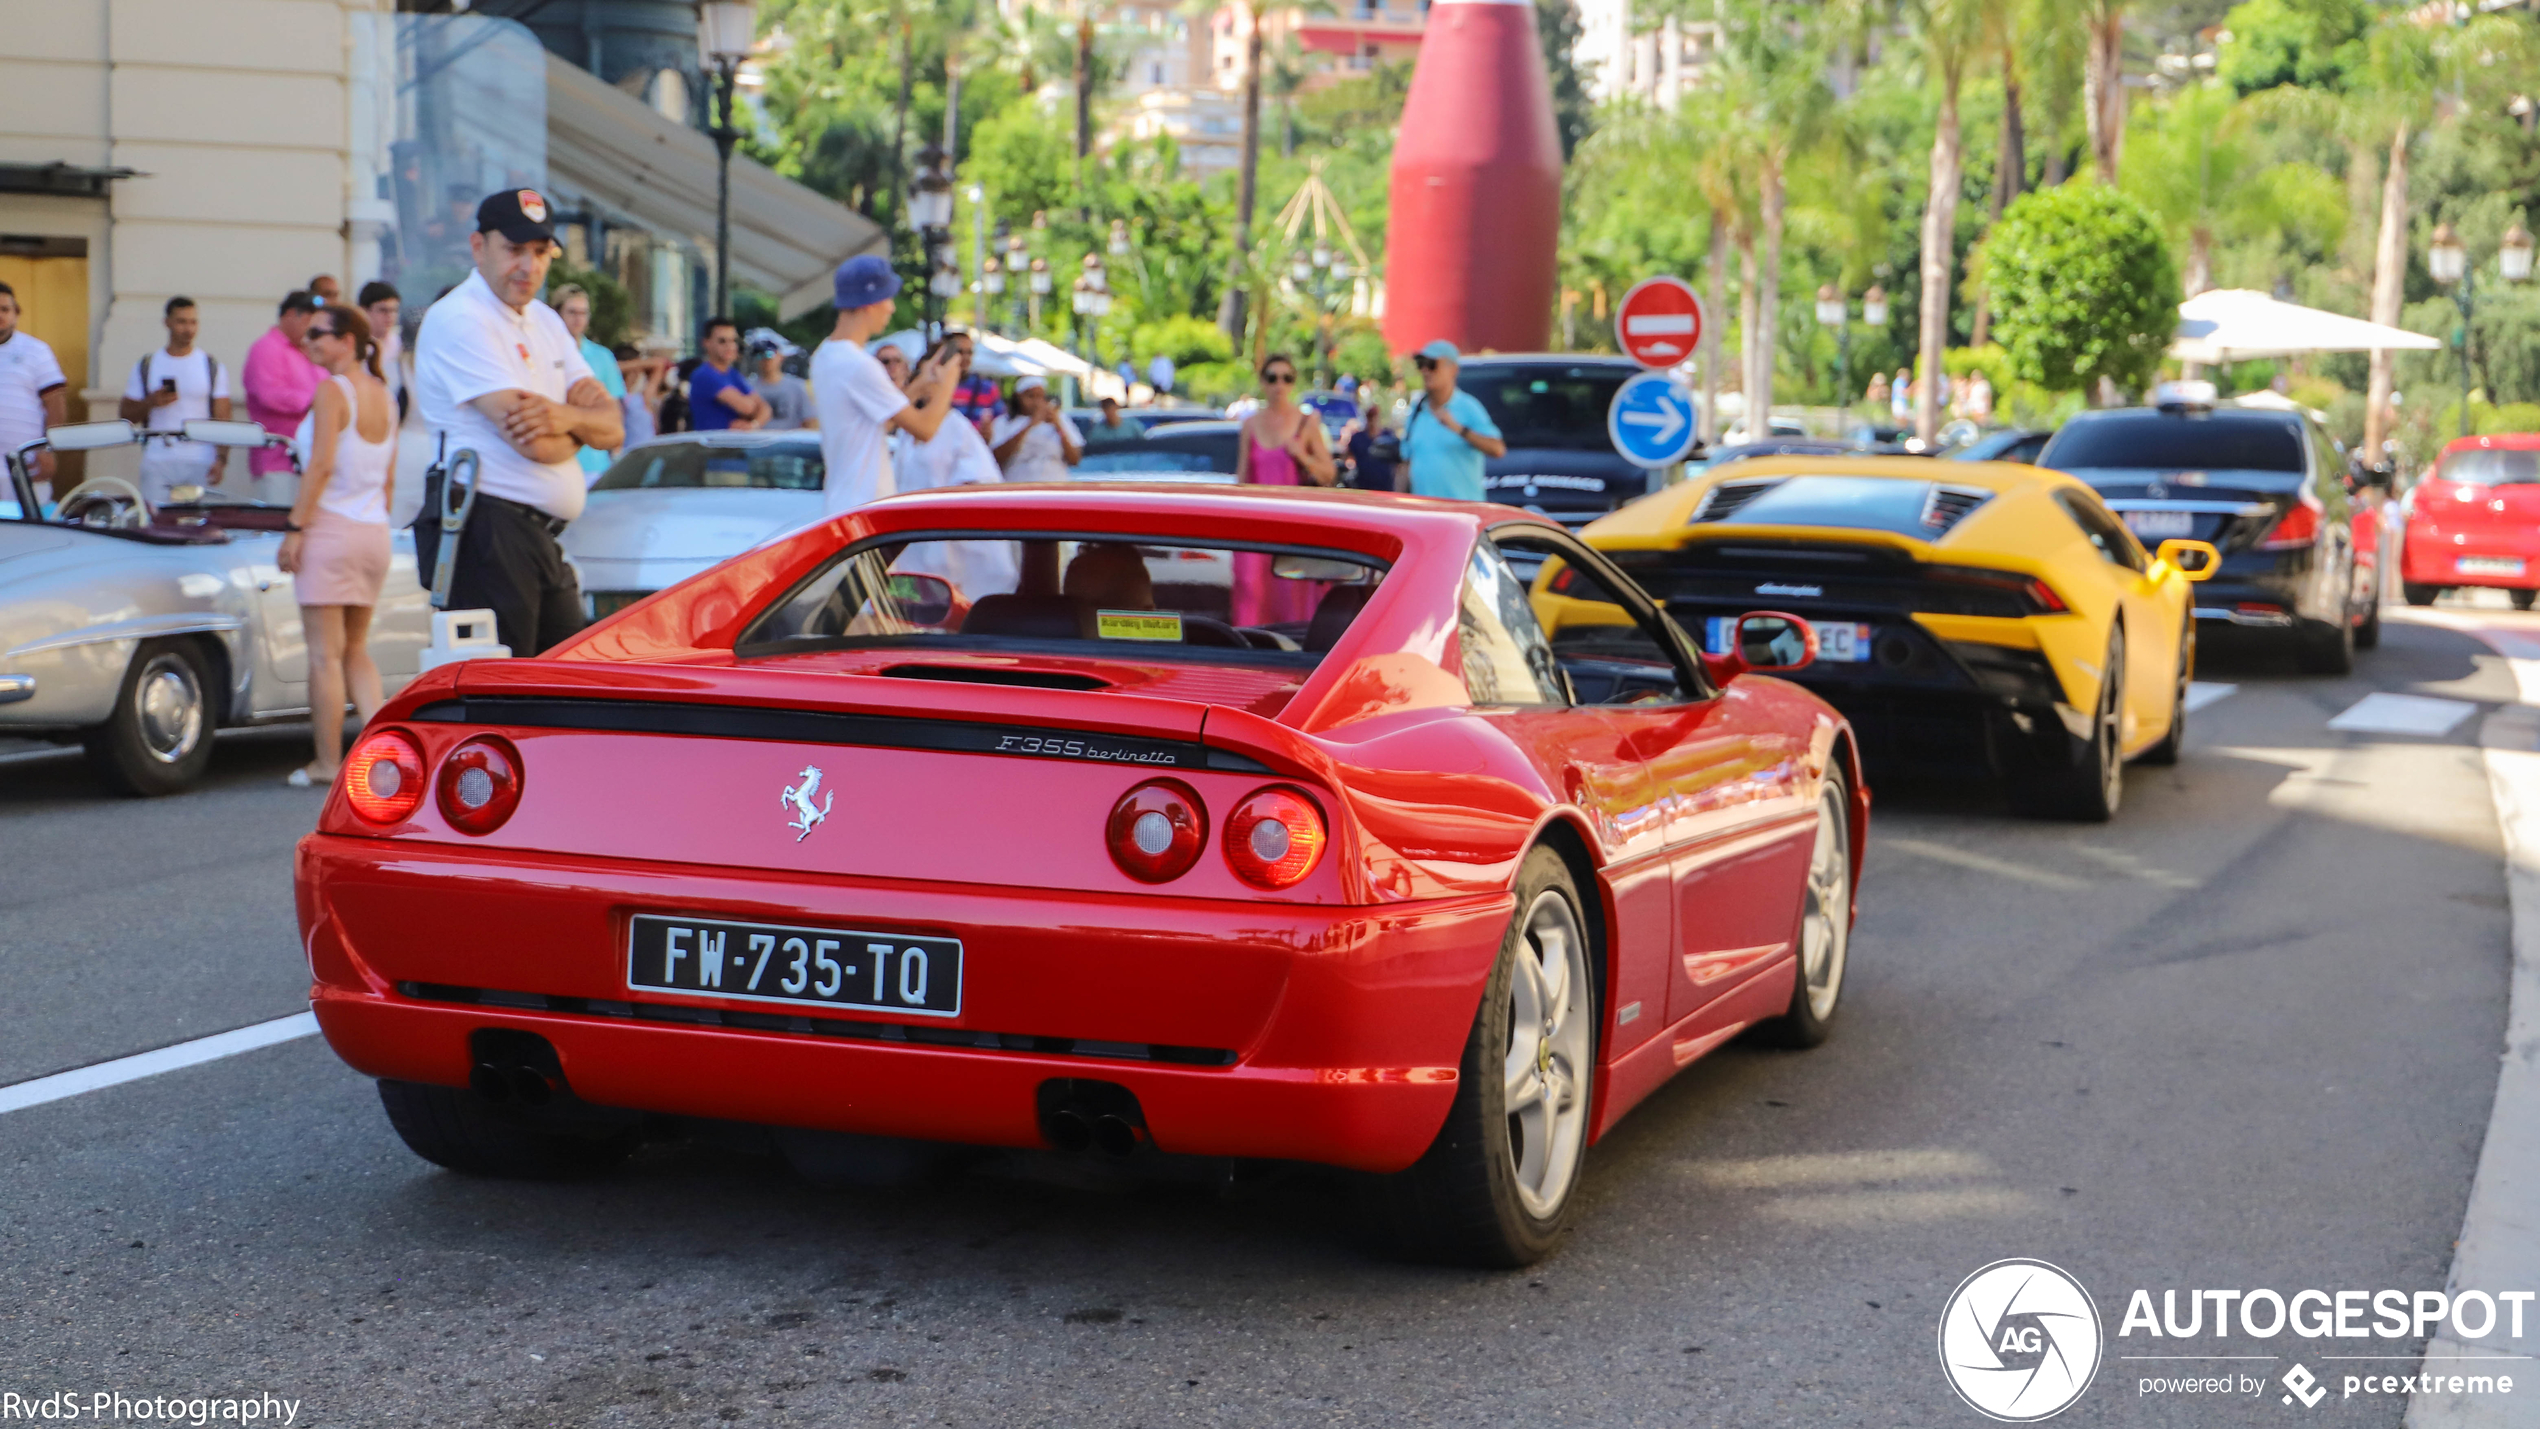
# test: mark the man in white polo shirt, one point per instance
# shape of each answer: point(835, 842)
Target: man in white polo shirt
point(32, 387)
point(497, 373)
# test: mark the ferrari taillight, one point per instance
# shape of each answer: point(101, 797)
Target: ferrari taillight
point(383, 780)
point(1156, 831)
point(480, 784)
point(1273, 838)
point(2299, 526)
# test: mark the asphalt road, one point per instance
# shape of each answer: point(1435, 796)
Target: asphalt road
point(2246, 1035)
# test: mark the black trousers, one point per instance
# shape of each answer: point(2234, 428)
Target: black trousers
point(508, 563)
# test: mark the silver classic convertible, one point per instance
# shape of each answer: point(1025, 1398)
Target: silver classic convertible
point(138, 631)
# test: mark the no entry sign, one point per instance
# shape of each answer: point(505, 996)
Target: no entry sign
point(1659, 322)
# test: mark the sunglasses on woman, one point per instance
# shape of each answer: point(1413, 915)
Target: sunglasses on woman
point(318, 332)
point(1277, 379)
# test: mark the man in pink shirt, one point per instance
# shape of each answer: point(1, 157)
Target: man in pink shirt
point(281, 382)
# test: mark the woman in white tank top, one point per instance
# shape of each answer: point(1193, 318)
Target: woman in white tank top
point(337, 552)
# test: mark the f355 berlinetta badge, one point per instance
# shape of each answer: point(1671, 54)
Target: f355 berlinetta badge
point(798, 799)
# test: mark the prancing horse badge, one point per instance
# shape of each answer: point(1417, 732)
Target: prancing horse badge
point(798, 800)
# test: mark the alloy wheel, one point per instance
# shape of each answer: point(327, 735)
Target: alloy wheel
point(1825, 927)
point(1549, 1043)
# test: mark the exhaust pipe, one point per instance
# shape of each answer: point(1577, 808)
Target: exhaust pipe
point(1068, 1131)
point(531, 1086)
point(1115, 1135)
point(490, 1082)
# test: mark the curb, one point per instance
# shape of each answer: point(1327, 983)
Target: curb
point(2499, 1247)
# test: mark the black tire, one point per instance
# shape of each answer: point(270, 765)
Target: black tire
point(2087, 783)
point(2325, 649)
point(2368, 634)
point(2174, 742)
point(458, 1129)
point(2522, 598)
point(1825, 925)
point(159, 738)
point(1462, 1201)
point(2420, 594)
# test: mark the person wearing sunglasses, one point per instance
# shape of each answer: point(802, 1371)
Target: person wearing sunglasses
point(1448, 434)
point(337, 551)
point(1281, 444)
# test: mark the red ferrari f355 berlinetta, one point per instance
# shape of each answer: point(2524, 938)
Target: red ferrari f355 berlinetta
point(1254, 823)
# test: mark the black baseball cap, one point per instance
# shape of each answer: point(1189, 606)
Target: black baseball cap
point(518, 214)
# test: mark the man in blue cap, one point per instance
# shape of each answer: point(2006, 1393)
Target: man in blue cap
point(858, 405)
point(1448, 434)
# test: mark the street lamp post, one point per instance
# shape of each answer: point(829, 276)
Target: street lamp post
point(1018, 277)
point(1040, 285)
point(725, 30)
point(1835, 311)
point(2447, 258)
point(930, 205)
point(991, 290)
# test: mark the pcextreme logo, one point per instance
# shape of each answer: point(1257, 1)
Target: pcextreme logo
point(2019, 1341)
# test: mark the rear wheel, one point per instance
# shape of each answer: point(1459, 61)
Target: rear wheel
point(159, 738)
point(2420, 594)
point(2368, 634)
point(2325, 649)
point(1495, 1188)
point(2167, 751)
point(2088, 783)
point(1825, 924)
point(2522, 598)
point(457, 1128)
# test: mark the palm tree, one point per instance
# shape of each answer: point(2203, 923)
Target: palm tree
point(1230, 310)
point(1772, 68)
point(1952, 33)
point(2103, 81)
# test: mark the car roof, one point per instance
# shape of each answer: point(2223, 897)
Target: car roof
point(755, 437)
point(1548, 359)
point(2493, 441)
point(2241, 416)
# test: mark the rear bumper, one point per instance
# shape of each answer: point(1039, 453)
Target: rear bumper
point(2433, 558)
point(1335, 1033)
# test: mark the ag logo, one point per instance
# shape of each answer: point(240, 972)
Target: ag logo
point(2019, 1341)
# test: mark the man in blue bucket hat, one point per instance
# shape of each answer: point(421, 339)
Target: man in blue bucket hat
point(859, 406)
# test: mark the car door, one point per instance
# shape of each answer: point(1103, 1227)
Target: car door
point(282, 647)
point(1589, 753)
point(1731, 785)
point(2154, 622)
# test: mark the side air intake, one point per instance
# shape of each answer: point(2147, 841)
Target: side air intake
point(1949, 505)
point(1723, 501)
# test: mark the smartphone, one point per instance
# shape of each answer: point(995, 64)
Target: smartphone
point(167, 384)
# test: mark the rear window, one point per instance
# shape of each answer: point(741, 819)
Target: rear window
point(782, 466)
point(1550, 405)
point(2158, 441)
point(1086, 594)
point(2489, 467)
point(1187, 451)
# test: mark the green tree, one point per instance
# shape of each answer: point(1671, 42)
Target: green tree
point(1557, 28)
point(2305, 42)
point(1953, 35)
point(2083, 286)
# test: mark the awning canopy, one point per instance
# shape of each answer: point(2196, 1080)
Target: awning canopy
point(2236, 324)
point(615, 150)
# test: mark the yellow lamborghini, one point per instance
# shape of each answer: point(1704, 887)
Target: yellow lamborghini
point(1966, 614)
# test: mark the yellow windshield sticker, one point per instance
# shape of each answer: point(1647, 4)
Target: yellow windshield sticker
point(1138, 624)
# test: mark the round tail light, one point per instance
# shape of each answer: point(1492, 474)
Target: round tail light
point(1156, 831)
point(480, 784)
point(1274, 838)
point(383, 780)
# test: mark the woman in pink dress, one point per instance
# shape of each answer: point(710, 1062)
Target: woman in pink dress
point(1281, 444)
point(337, 552)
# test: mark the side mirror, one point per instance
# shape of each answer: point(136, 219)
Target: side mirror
point(1766, 642)
point(89, 436)
point(922, 600)
point(2196, 560)
point(225, 434)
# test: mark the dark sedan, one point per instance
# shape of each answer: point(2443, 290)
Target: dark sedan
point(2266, 488)
point(1551, 410)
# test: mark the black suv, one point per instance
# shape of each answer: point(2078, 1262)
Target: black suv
point(2266, 487)
point(1551, 410)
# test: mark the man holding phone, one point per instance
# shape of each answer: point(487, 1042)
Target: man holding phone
point(167, 389)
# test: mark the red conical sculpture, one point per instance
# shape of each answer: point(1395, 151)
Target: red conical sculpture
point(1471, 243)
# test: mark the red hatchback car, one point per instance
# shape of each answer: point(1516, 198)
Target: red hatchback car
point(1255, 823)
point(2475, 520)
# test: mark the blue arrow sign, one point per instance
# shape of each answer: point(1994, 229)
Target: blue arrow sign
point(1652, 419)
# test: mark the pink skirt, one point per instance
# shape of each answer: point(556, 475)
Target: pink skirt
point(342, 561)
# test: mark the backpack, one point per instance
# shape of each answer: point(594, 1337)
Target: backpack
point(211, 381)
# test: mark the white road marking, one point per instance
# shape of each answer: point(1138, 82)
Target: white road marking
point(1983, 863)
point(2200, 693)
point(2384, 713)
point(18, 1096)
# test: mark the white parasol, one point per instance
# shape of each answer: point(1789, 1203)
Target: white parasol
point(2235, 324)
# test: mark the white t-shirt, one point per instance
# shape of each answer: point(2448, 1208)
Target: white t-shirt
point(199, 380)
point(955, 456)
point(853, 397)
point(1040, 458)
point(28, 370)
point(473, 344)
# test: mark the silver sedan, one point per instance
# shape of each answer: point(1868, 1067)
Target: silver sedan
point(138, 631)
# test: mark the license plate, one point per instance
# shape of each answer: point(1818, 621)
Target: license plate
point(1847, 641)
point(2488, 566)
point(772, 962)
point(2161, 523)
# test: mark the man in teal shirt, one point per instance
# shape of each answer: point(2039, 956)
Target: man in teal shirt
point(574, 306)
point(1449, 434)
